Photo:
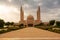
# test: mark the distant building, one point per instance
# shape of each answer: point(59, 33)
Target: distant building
point(30, 19)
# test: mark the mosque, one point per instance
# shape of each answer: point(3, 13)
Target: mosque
point(30, 21)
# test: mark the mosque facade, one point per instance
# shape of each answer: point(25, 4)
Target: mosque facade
point(30, 21)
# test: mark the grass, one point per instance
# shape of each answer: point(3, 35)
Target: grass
point(49, 28)
point(9, 29)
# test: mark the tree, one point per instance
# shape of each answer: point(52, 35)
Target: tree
point(57, 23)
point(51, 22)
point(2, 23)
point(11, 23)
point(7, 23)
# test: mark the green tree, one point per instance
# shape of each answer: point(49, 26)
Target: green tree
point(7, 23)
point(58, 23)
point(51, 22)
point(11, 23)
point(2, 23)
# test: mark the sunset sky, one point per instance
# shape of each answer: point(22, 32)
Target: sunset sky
point(10, 9)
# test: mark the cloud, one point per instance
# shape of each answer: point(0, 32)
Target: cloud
point(9, 13)
point(50, 9)
point(26, 6)
point(53, 14)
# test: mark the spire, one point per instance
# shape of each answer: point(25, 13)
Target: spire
point(21, 9)
point(21, 14)
point(39, 9)
point(38, 13)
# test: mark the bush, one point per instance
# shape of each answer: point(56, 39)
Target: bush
point(21, 25)
point(3, 31)
point(38, 25)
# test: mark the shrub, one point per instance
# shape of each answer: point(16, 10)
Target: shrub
point(21, 25)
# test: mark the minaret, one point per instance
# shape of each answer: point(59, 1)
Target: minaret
point(21, 14)
point(38, 13)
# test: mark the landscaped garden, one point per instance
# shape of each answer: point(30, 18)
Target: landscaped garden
point(51, 26)
point(9, 26)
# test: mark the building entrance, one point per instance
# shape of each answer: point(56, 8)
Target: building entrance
point(30, 25)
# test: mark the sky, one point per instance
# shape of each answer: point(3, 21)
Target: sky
point(10, 9)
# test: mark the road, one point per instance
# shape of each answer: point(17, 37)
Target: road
point(30, 32)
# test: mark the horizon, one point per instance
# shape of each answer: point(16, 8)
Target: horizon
point(10, 9)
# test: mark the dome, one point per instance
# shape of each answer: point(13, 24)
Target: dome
point(30, 19)
point(30, 16)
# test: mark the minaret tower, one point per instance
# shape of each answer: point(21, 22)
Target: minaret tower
point(38, 13)
point(21, 14)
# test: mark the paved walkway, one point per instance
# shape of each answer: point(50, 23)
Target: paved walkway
point(30, 32)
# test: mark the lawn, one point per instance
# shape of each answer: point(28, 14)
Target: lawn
point(50, 28)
